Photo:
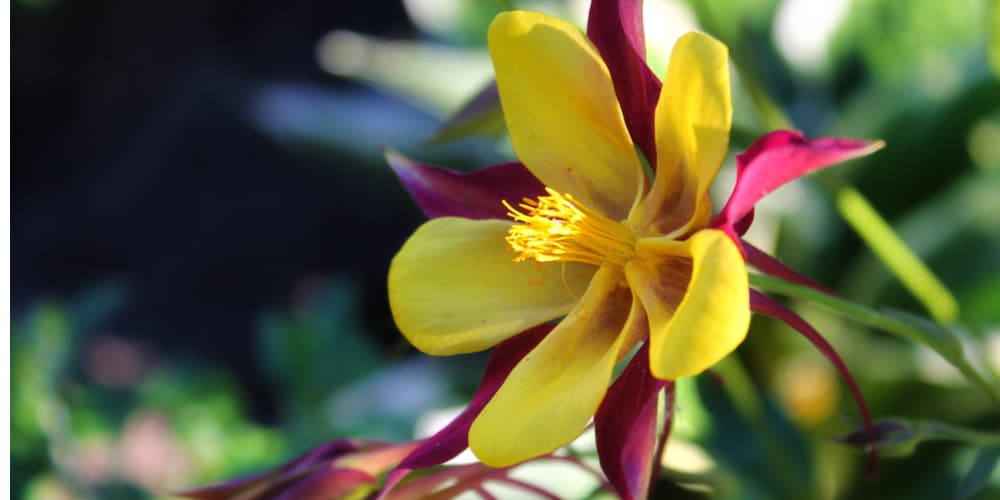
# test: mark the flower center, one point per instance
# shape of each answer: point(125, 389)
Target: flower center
point(558, 228)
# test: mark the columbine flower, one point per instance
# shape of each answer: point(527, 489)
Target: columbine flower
point(621, 259)
point(580, 232)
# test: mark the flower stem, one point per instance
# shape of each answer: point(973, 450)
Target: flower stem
point(896, 255)
point(903, 325)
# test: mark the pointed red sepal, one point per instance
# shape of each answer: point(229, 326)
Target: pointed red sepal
point(329, 483)
point(625, 428)
point(441, 192)
point(774, 267)
point(448, 442)
point(777, 158)
point(615, 28)
point(767, 306)
point(454, 438)
point(344, 465)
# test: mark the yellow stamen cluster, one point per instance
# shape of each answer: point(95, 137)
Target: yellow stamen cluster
point(558, 228)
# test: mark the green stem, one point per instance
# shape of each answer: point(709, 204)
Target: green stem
point(938, 338)
point(949, 432)
point(886, 244)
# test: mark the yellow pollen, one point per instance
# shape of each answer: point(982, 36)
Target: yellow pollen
point(558, 228)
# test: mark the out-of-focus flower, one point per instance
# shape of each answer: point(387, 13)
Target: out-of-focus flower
point(624, 260)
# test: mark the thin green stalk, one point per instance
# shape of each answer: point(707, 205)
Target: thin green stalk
point(994, 36)
point(949, 432)
point(886, 244)
point(909, 327)
point(901, 436)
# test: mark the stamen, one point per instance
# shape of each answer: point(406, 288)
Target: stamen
point(558, 228)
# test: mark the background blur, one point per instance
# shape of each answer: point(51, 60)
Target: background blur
point(202, 225)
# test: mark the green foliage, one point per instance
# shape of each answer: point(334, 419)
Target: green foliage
point(310, 352)
point(979, 474)
point(893, 38)
point(72, 434)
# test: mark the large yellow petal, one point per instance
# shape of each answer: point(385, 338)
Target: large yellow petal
point(454, 287)
point(553, 392)
point(693, 118)
point(697, 297)
point(562, 113)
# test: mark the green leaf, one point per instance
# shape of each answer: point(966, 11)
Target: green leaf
point(979, 475)
point(929, 333)
point(899, 437)
point(481, 116)
point(749, 436)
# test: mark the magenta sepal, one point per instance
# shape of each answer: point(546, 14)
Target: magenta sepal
point(448, 442)
point(775, 159)
point(328, 483)
point(774, 267)
point(625, 428)
point(223, 490)
point(441, 192)
point(615, 28)
point(763, 304)
point(454, 438)
point(302, 465)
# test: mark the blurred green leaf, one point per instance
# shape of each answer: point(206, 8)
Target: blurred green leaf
point(482, 115)
point(929, 333)
point(956, 232)
point(727, 18)
point(751, 437)
point(433, 76)
point(899, 437)
point(208, 418)
point(309, 353)
point(981, 300)
point(897, 38)
point(456, 21)
point(979, 475)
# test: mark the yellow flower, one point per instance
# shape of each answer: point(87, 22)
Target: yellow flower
point(621, 259)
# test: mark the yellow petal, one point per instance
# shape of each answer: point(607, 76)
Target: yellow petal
point(636, 328)
point(454, 287)
point(697, 297)
point(693, 118)
point(553, 392)
point(562, 113)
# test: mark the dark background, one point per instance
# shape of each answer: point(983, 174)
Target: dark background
point(136, 160)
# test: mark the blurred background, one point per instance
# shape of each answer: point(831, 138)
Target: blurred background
point(203, 221)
